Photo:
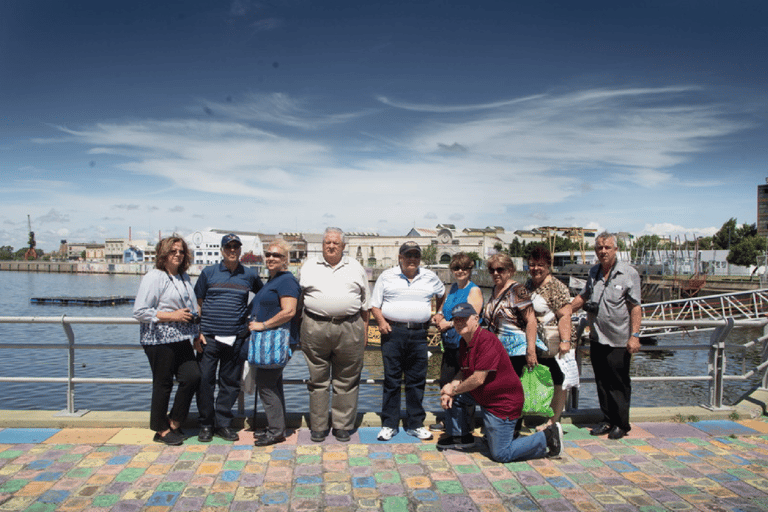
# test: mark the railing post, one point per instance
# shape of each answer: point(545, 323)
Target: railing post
point(572, 398)
point(764, 355)
point(717, 364)
point(70, 364)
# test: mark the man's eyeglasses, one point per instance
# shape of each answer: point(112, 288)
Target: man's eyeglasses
point(497, 270)
point(272, 255)
point(413, 254)
point(232, 247)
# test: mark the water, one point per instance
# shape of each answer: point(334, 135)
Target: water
point(19, 287)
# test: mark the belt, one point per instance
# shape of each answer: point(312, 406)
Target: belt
point(332, 319)
point(410, 325)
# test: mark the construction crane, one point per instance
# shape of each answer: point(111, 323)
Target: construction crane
point(31, 253)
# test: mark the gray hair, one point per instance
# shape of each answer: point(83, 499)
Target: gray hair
point(605, 235)
point(338, 231)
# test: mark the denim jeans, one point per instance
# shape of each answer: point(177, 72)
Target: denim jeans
point(217, 412)
point(404, 352)
point(499, 432)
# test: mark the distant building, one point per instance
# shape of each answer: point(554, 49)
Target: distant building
point(115, 250)
point(83, 251)
point(133, 254)
point(206, 245)
point(762, 209)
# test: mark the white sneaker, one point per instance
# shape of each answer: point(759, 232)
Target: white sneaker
point(420, 433)
point(386, 433)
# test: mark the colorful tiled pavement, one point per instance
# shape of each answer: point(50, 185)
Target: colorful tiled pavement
point(710, 465)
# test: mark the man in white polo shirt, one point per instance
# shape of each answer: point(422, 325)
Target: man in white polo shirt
point(401, 304)
point(333, 335)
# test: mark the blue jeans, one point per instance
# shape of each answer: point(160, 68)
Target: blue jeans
point(499, 432)
point(404, 353)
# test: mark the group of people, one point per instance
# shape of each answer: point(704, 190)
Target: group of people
point(486, 347)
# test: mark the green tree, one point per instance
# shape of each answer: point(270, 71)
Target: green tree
point(474, 256)
point(429, 254)
point(726, 236)
point(747, 251)
point(6, 252)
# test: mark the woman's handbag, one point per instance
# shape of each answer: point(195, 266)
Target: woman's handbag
point(270, 349)
point(538, 389)
point(550, 335)
point(570, 370)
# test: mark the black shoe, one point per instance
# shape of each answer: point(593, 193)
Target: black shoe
point(318, 436)
point(600, 430)
point(179, 432)
point(268, 439)
point(259, 433)
point(227, 434)
point(437, 427)
point(554, 435)
point(341, 435)
point(171, 439)
point(456, 442)
point(617, 433)
point(206, 434)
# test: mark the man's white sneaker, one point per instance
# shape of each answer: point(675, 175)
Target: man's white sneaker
point(420, 433)
point(386, 433)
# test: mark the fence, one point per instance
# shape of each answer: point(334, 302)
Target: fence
point(716, 372)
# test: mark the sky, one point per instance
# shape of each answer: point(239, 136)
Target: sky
point(649, 117)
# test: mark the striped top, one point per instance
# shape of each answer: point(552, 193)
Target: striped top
point(401, 300)
point(224, 297)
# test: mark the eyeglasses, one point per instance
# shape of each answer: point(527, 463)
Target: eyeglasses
point(465, 269)
point(177, 251)
point(272, 255)
point(232, 247)
point(412, 255)
point(497, 270)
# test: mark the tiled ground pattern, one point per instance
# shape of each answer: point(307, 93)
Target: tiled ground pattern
point(122, 470)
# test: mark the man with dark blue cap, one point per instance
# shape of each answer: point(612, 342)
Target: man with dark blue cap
point(488, 380)
point(222, 292)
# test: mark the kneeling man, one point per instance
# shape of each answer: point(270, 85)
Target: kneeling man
point(488, 380)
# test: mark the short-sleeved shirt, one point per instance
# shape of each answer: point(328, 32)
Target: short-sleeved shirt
point(266, 303)
point(334, 291)
point(502, 393)
point(614, 295)
point(225, 298)
point(401, 300)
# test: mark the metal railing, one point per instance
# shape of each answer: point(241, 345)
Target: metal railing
point(716, 368)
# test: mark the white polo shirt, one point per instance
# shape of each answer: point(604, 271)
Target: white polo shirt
point(401, 300)
point(336, 291)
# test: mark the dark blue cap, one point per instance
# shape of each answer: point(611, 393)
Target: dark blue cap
point(230, 238)
point(463, 310)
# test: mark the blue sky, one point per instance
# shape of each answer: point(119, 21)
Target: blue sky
point(294, 115)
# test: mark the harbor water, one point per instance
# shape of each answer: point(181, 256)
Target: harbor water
point(19, 287)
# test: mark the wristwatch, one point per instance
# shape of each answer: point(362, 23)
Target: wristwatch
point(636, 334)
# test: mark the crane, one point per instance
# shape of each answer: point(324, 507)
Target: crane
point(31, 254)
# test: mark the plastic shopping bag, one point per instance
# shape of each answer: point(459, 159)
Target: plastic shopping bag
point(570, 369)
point(538, 388)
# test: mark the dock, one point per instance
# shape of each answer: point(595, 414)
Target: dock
point(112, 300)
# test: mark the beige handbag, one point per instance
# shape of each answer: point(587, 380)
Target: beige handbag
point(550, 335)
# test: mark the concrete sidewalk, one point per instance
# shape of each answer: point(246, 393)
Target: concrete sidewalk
point(704, 465)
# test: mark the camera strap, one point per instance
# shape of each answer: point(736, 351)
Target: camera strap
point(185, 295)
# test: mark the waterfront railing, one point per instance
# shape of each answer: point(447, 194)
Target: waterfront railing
point(715, 376)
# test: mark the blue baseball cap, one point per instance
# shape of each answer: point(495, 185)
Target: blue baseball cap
point(230, 238)
point(463, 310)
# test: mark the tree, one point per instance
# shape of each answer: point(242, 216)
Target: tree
point(6, 252)
point(725, 237)
point(746, 251)
point(473, 256)
point(429, 254)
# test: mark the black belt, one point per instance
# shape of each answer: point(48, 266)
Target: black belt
point(332, 319)
point(410, 325)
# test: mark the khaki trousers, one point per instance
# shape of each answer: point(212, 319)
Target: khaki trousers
point(334, 355)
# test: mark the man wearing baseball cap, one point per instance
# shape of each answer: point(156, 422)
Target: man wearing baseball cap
point(222, 292)
point(401, 304)
point(488, 380)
